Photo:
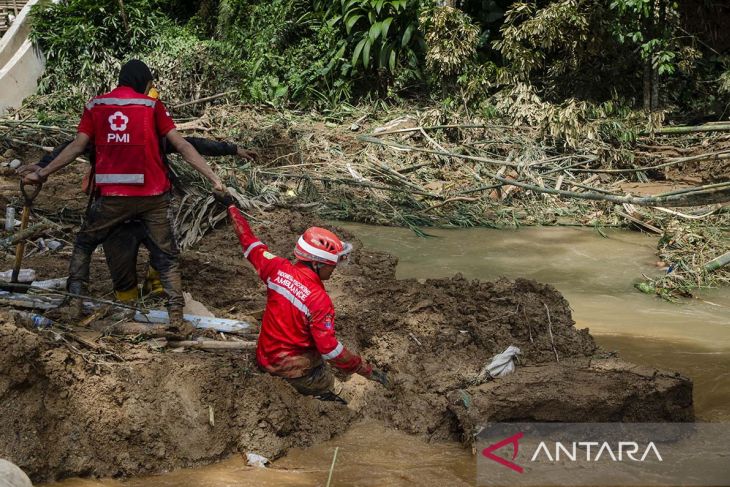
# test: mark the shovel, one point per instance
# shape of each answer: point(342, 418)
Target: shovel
point(20, 248)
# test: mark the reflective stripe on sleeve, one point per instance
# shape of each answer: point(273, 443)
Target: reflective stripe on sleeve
point(251, 247)
point(334, 353)
point(119, 179)
point(120, 102)
point(296, 302)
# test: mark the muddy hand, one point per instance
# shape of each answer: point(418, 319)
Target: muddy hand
point(379, 376)
point(33, 178)
point(28, 168)
point(247, 154)
point(224, 198)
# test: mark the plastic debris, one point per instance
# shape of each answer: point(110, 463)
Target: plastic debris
point(24, 275)
point(31, 319)
point(9, 218)
point(58, 283)
point(503, 363)
point(204, 322)
point(54, 245)
point(256, 460)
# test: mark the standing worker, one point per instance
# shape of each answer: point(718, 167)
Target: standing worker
point(121, 246)
point(298, 327)
point(125, 126)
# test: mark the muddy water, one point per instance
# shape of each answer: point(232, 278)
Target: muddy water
point(368, 455)
point(596, 275)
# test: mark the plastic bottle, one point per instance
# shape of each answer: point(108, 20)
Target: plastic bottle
point(32, 319)
point(9, 218)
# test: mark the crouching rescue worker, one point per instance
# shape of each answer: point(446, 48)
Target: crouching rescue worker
point(298, 328)
point(125, 127)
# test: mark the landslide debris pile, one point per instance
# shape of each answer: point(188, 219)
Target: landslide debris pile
point(68, 410)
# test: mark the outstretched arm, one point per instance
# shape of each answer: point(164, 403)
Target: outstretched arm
point(66, 157)
point(194, 159)
point(254, 249)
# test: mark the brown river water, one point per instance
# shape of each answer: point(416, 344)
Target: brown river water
point(595, 274)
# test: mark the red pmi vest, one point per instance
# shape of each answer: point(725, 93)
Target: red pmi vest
point(127, 144)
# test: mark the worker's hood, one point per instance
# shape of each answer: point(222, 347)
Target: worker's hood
point(136, 75)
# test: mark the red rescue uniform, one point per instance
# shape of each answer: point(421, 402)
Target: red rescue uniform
point(126, 127)
point(298, 327)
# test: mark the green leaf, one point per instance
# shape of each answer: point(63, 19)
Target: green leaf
point(366, 54)
point(383, 58)
point(386, 26)
point(379, 5)
point(351, 22)
point(340, 52)
point(392, 61)
point(358, 49)
point(331, 22)
point(407, 35)
point(372, 17)
point(375, 31)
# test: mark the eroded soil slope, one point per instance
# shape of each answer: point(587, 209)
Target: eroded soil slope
point(70, 410)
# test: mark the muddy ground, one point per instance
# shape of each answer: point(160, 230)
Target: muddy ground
point(123, 408)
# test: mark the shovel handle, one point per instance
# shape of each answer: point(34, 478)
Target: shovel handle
point(30, 196)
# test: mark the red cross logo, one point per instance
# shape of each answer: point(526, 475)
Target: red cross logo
point(118, 121)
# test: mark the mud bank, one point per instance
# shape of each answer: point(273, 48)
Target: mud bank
point(68, 411)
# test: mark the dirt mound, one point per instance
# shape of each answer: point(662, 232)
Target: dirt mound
point(67, 411)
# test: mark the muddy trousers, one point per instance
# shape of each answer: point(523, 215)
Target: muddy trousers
point(318, 381)
point(109, 212)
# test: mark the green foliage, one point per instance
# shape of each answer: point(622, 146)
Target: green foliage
point(644, 27)
point(378, 33)
point(451, 41)
point(86, 41)
point(187, 68)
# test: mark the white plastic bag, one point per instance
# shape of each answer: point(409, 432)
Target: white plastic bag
point(256, 460)
point(503, 363)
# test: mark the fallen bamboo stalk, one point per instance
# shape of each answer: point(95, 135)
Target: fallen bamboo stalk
point(718, 262)
point(136, 328)
point(332, 467)
point(684, 199)
point(398, 189)
point(19, 236)
point(374, 140)
point(211, 345)
point(689, 129)
point(640, 223)
point(721, 155)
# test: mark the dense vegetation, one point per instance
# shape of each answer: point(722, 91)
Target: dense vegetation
point(596, 56)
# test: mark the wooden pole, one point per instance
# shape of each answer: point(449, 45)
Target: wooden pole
point(212, 345)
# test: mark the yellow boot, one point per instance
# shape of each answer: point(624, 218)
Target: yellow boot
point(128, 296)
point(152, 284)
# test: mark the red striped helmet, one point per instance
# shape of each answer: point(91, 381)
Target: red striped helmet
point(320, 245)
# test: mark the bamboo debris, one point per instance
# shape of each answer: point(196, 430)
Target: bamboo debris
point(435, 172)
point(29, 233)
point(693, 129)
point(212, 344)
point(718, 262)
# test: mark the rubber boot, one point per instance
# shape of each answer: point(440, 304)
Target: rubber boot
point(152, 283)
point(178, 324)
point(128, 296)
point(76, 305)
